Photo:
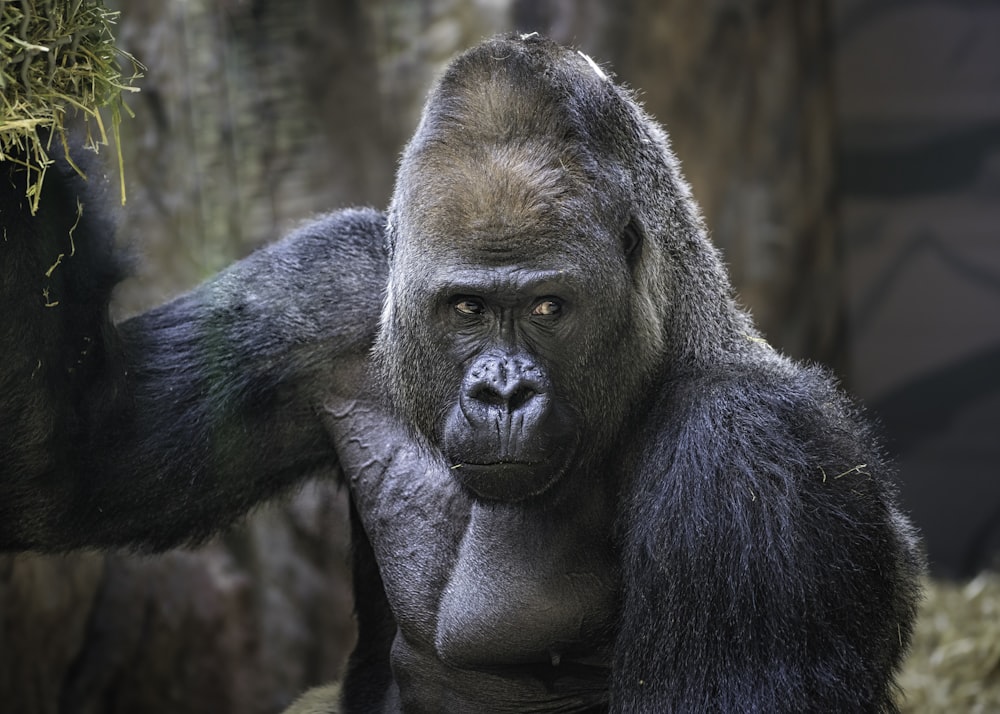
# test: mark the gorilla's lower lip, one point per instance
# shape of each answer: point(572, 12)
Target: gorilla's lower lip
point(499, 467)
point(488, 464)
point(506, 480)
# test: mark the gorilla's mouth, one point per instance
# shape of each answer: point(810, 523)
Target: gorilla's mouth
point(501, 462)
point(513, 458)
point(506, 479)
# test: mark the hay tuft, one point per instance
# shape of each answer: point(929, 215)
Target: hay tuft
point(955, 662)
point(58, 60)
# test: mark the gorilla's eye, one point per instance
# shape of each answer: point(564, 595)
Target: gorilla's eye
point(468, 306)
point(547, 307)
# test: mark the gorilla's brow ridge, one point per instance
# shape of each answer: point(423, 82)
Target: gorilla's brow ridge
point(485, 282)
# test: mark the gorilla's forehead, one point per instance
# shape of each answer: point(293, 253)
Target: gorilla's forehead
point(501, 200)
point(499, 282)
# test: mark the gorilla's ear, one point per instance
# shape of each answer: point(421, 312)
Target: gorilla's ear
point(632, 239)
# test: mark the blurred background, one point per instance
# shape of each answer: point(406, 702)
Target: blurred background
point(846, 154)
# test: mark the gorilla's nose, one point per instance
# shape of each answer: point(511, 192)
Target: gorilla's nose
point(510, 395)
point(508, 384)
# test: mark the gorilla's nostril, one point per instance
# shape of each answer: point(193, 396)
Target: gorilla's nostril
point(509, 399)
point(487, 395)
point(520, 397)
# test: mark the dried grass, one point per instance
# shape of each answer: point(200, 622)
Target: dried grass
point(955, 662)
point(58, 61)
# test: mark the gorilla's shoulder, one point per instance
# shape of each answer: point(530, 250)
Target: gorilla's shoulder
point(767, 410)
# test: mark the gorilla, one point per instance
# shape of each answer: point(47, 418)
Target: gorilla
point(580, 480)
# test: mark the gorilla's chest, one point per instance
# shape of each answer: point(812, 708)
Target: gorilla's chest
point(474, 585)
point(524, 591)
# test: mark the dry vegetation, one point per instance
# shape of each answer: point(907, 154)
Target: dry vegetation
point(955, 662)
point(58, 61)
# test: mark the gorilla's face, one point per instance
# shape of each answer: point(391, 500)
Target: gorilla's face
point(510, 431)
point(509, 308)
point(517, 333)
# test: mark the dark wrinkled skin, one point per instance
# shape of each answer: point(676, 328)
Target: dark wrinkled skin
point(579, 479)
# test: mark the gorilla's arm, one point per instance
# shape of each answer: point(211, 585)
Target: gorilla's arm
point(765, 567)
point(170, 426)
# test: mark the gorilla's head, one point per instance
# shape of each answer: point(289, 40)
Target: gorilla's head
point(531, 296)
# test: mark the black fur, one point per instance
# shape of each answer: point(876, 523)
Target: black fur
point(173, 425)
point(580, 480)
